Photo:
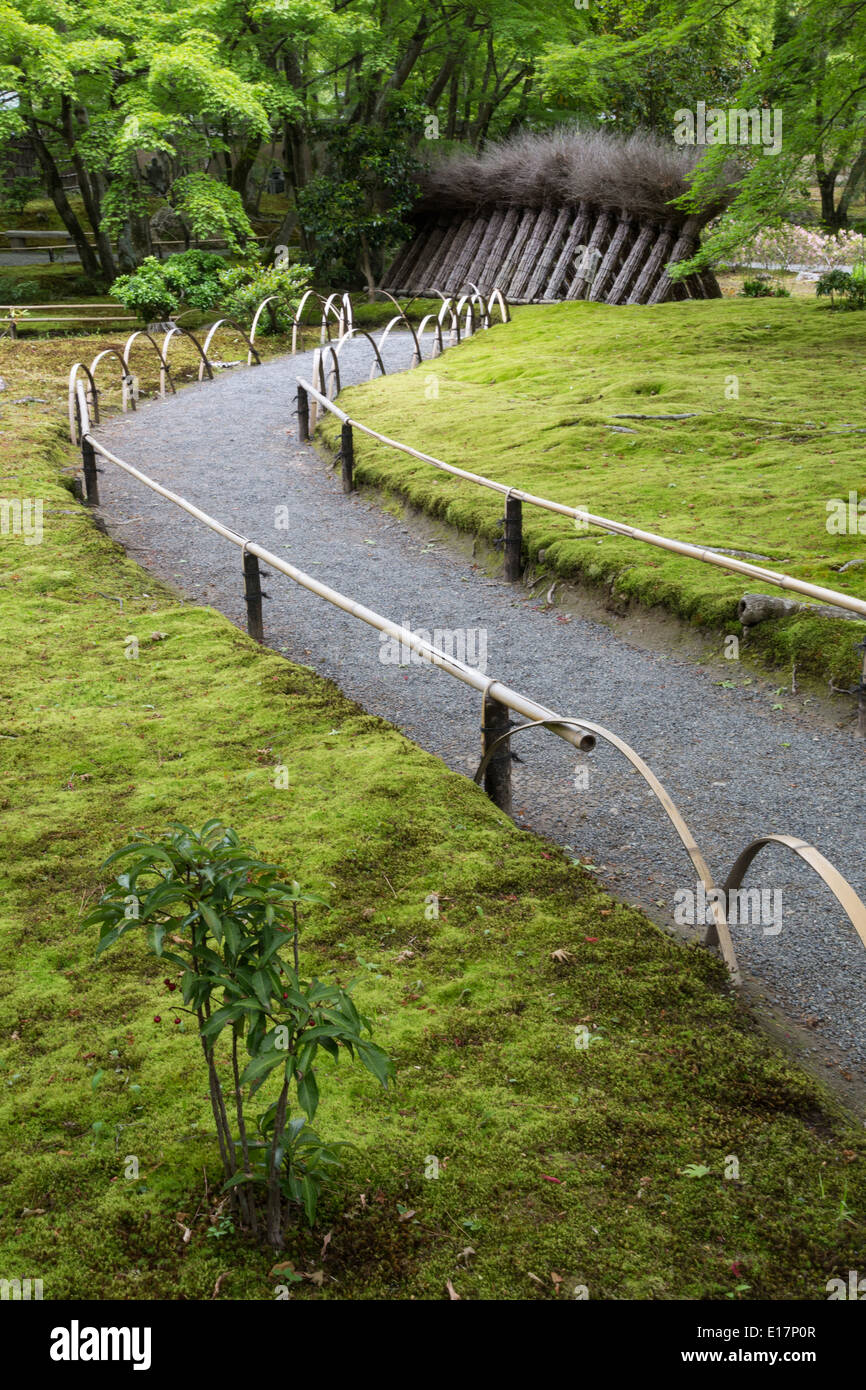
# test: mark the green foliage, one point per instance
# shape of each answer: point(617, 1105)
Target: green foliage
point(159, 288)
point(209, 906)
point(19, 292)
point(243, 287)
point(759, 288)
point(16, 193)
point(212, 210)
point(850, 286)
point(356, 210)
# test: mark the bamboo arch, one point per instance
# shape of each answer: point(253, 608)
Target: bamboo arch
point(75, 429)
point(164, 372)
point(718, 932)
point(126, 378)
point(207, 342)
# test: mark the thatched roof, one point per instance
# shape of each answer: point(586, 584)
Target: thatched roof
point(640, 172)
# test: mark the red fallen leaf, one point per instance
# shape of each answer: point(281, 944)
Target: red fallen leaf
point(735, 1267)
point(590, 938)
point(547, 1178)
point(545, 856)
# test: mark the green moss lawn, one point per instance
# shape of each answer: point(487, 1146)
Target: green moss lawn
point(539, 404)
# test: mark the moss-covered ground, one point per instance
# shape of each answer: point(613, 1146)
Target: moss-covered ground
point(558, 1167)
point(772, 388)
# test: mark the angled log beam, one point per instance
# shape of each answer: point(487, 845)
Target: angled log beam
point(541, 231)
point(491, 232)
point(488, 275)
point(549, 254)
point(685, 246)
point(613, 259)
point(588, 263)
point(661, 249)
point(565, 264)
point(633, 263)
point(514, 255)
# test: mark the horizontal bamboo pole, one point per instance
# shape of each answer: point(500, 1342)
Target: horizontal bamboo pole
point(494, 690)
point(618, 528)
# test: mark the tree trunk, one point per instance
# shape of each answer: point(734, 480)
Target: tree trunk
point(89, 262)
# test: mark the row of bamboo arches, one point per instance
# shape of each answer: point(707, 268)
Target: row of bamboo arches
point(457, 318)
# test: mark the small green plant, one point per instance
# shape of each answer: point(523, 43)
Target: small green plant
point(695, 1170)
point(243, 287)
point(19, 292)
point(159, 288)
point(758, 287)
point(851, 287)
point(208, 905)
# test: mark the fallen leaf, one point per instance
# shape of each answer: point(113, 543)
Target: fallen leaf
point(535, 1279)
point(218, 1285)
point(325, 1243)
point(318, 1278)
point(561, 955)
point(406, 1215)
point(452, 1292)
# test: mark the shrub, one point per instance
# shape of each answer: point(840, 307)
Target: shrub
point(19, 292)
point(759, 288)
point(243, 287)
point(158, 288)
point(851, 288)
point(223, 917)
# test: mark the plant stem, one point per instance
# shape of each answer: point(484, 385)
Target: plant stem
point(275, 1233)
point(242, 1131)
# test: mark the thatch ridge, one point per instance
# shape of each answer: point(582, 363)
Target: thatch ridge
point(640, 172)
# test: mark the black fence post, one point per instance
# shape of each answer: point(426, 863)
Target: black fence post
point(91, 484)
point(347, 455)
point(253, 597)
point(303, 415)
point(496, 721)
point(513, 538)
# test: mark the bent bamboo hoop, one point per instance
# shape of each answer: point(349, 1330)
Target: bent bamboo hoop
point(207, 342)
point(164, 372)
point(401, 318)
point(438, 344)
point(126, 376)
point(177, 332)
point(74, 422)
point(718, 933)
point(839, 886)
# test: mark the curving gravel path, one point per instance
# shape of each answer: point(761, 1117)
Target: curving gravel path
point(735, 769)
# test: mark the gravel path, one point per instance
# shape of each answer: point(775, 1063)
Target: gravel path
point(735, 769)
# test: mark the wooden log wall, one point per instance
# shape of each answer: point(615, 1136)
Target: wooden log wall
point(548, 254)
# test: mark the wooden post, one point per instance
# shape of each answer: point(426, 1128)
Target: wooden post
point(513, 538)
point(13, 330)
point(497, 776)
point(303, 415)
point(861, 702)
point(347, 457)
point(88, 459)
point(253, 597)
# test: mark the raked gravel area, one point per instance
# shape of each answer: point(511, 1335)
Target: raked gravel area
point(735, 768)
